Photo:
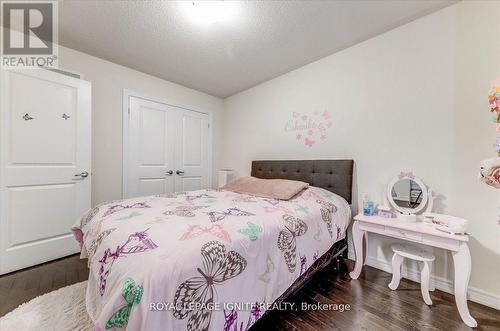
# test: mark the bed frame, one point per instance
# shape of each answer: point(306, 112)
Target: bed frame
point(332, 175)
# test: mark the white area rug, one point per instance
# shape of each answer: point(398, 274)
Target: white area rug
point(60, 310)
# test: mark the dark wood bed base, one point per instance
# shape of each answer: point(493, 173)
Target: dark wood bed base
point(332, 175)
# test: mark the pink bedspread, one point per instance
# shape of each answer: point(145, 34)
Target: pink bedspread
point(202, 260)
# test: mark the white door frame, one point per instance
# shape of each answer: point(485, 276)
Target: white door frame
point(126, 107)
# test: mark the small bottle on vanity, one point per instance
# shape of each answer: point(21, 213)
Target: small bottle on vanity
point(368, 206)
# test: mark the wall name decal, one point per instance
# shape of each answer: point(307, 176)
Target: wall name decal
point(309, 128)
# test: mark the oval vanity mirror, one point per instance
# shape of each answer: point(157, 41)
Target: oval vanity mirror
point(407, 194)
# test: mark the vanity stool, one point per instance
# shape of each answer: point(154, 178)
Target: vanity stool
point(417, 254)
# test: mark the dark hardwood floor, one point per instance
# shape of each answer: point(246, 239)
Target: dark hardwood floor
point(373, 305)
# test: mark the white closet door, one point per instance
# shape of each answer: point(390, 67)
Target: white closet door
point(151, 144)
point(166, 148)
point(45, 160)
point(192, 154)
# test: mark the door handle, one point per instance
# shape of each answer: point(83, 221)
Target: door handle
point(83, 174)
point(169, 173)
point(179, 172)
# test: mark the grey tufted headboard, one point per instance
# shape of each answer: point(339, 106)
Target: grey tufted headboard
point(332, 175)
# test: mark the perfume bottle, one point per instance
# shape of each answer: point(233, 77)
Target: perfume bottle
point(368, 206)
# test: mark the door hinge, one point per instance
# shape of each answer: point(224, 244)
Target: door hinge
point(129, 110)
point(209, 125)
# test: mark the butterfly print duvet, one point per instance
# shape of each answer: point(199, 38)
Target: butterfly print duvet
point(213, 252)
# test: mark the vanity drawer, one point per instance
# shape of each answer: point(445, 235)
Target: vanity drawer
point(403, 234)
point(370, 227)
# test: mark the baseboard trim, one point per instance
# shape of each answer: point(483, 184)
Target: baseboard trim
point(443, 284)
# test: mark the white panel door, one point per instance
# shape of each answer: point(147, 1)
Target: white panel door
point(151, 142)
point(166, 148)
point(192, 154)
point(45, 165)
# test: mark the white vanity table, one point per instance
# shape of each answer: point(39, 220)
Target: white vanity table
point(420, 232)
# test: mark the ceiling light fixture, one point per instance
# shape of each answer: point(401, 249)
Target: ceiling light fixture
point(210, 12)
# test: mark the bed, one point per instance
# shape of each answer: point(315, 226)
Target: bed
point(212, 259)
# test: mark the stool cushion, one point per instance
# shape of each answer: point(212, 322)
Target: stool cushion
point(412, 252)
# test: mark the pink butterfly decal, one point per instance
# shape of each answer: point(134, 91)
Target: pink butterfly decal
point(136, 243)
point(323, 137)
point(216, 230)
point(295, 114)
point(309, 142)
point(326, 115)
point(406, 174)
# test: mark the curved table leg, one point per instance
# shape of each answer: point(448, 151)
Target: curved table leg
point(397, 261)
point(365, 245)
point(432, 286)
point(462, 266)
point(425, 277)
point(358, 239)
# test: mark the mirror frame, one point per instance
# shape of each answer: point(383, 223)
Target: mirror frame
point(404, 210)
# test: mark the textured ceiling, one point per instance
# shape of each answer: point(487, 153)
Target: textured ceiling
point(264, 40)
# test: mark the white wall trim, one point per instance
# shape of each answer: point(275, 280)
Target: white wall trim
point(126, 97)
point(443, 284)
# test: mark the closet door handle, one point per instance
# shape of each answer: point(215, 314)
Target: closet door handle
point(169, 173)
point(179, 172)
point(83, 174)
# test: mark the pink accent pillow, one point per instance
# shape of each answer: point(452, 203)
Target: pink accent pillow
point(282, 189)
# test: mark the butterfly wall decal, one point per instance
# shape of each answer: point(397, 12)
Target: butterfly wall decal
point(184, 211)
point(119, 207)
point(309, 128)
point(136, 243)
point(216, 230)
point(287, 239)
point(218, 267)
point(132, 294)
point(252, 230)
point(327, 209)
point(215, 216)
point(266, 276)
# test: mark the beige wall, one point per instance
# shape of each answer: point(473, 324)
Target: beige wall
point(108, 81)
point(414, 98)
